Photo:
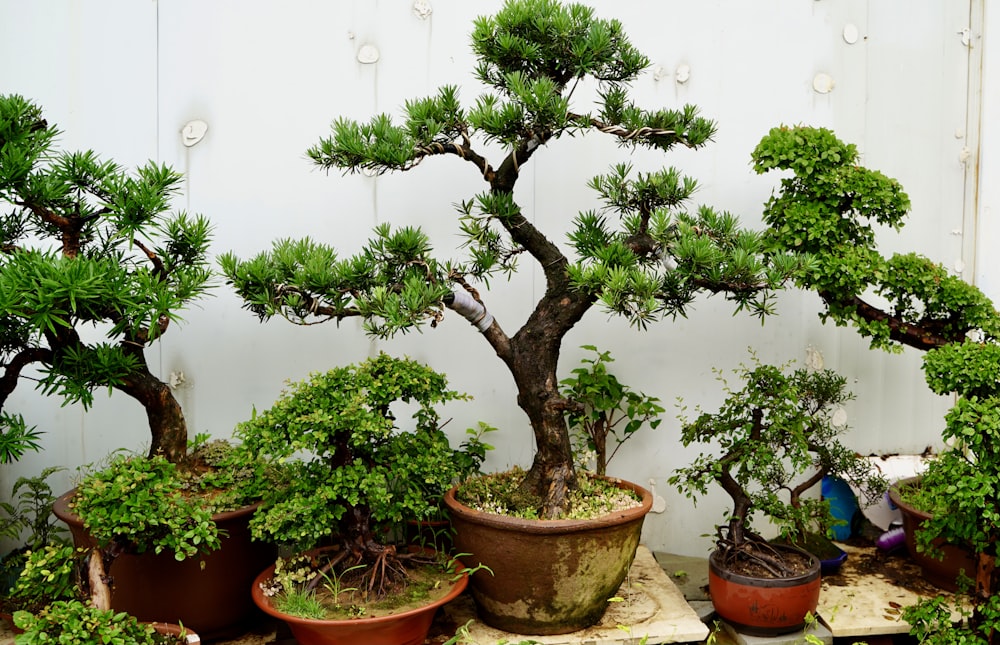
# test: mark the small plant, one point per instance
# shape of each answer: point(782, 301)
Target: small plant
point(49, 573)
point(774, 439)
point(352, 469)
point(76, 623)
point(605, 408)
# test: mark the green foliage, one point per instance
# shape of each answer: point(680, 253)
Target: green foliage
point(774, 439)
point(75, 623)
point(827, 210)
point(16, 437)
point(30, 509)
point(51, 572)
point(141, 504)
point(933, 622)
point(338, 434)
point(607, 408)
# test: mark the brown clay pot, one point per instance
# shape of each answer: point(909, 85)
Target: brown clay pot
point(406, 628)
point(763, 606)
point(549, 576)
point(942, 573)
point(169, 629)
point(207, 593)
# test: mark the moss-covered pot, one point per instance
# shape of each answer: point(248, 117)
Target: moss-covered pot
point(549, 576)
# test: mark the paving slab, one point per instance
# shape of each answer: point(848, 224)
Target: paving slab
point(863, 600)
point(816, 630)
point(653, 608)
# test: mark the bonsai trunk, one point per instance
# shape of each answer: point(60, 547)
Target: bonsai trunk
point(167, 426)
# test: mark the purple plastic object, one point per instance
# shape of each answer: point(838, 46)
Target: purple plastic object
point(891, 540)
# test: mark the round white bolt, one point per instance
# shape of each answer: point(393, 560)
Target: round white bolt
point(850, 33)
point(823, 83)
point(422, 9)
point(193, 132)
point(683, 73)
point(368, 54)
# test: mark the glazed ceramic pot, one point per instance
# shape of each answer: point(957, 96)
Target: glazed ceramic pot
point(206, 593)
point(945, 572)
point(764, 606)
point(549, 576)
point(406, 628)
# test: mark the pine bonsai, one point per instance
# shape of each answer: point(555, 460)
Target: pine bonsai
point(84, 243)
point(638, 253)
point(827, 210)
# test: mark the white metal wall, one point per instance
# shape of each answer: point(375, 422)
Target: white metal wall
point(124, 76)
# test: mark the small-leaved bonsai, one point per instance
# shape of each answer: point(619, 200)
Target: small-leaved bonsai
point(771, 442)
point(827, 209)
point(639, 253)
point(85, 243)
point(354, 467)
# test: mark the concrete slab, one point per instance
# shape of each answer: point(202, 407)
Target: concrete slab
point(653, 607)
point(689, 573)
point(794, 638)
point(859, 603)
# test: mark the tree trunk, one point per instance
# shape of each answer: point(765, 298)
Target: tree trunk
point(167, 426)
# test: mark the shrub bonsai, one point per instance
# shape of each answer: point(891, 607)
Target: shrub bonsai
point(773, 441)
point(827, 209)
point(638, 253)
point(352, 469)
point(84, 243)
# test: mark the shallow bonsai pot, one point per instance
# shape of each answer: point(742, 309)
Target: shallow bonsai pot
point(943, 573)
point(169, 629)
point(406, 628)
point(764, 606)
point(831, 565)
point(549, 576)
point(206, 593)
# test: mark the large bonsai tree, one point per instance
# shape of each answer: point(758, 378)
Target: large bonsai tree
point(85, 244)
point(827, 209)
point(637, 254)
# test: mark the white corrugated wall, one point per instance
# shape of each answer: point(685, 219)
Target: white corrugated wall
point(909, 81)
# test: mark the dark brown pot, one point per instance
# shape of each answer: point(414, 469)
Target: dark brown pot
point(406, 628)
point(764, 606)
point(943, 573)
point(549, 576)
point(207, 593)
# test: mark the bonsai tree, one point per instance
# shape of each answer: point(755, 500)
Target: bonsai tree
point(827, 209)
point(638, 253)
point(84, 243)
point(605, 408)
point(352, 469)
point(773, 441)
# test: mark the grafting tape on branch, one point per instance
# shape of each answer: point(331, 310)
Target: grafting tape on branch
point(473, 310)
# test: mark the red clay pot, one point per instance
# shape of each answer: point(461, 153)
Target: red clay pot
point(762, 606)
point(207, 593)
point(943, 573)
point(549, 576)
point(407, 628)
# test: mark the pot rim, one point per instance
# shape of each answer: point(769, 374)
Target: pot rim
point(715, 567)
point(896, 499)
point(61, 509)
point(264, 603)
point(554, 527)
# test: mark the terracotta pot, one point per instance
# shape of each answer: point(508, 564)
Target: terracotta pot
point(549, 576)
point(943, 573)
point(207, 593)
point(169, 629)
point(764, 606)
point(407, 628)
